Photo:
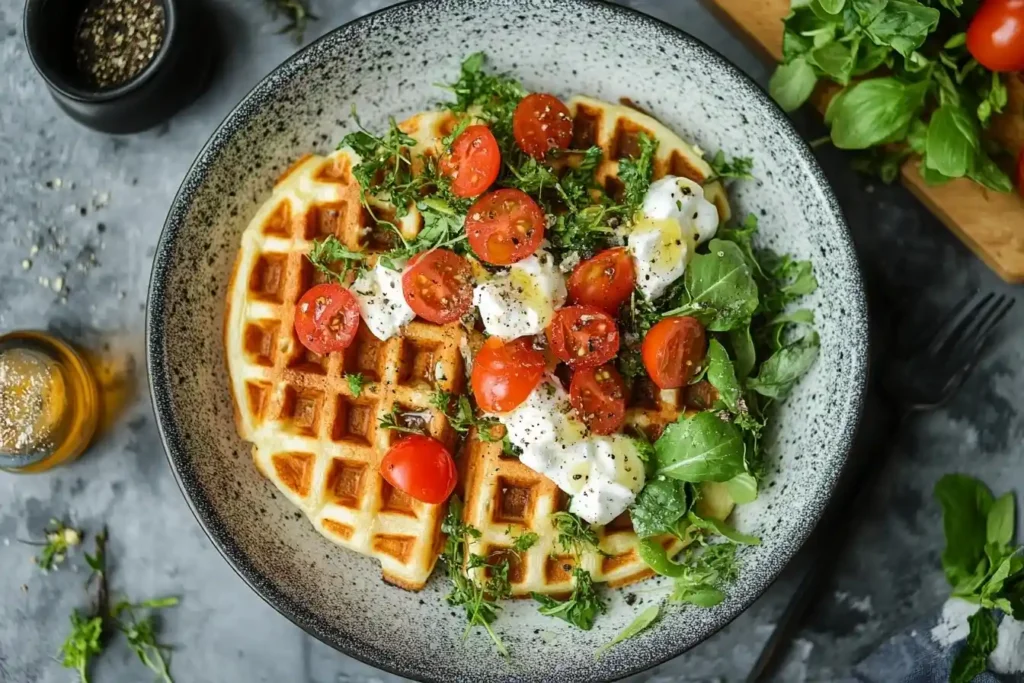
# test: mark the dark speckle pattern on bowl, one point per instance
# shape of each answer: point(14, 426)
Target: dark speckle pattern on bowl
point(386, 64)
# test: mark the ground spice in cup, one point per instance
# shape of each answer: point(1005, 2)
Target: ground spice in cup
point(116, 39)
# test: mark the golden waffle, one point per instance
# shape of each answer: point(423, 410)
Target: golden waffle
point(615, 129)
point(312, 437)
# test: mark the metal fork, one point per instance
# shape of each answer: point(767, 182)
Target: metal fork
point(922, 379)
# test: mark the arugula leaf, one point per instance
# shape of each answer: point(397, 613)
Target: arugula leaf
point(700, 448)
point(635, 174)
point(722, 376)
point(778, 374)
point(720, 287)
point(792, 84)
point(743, 349)
point(640, 624)
point(356, 382)
point(875, 111)
point(659, 507)
point(582, 606)
point(981, 642)
point(966, 503)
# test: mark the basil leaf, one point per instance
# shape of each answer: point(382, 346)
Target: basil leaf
point(780, 372)
point(988, 173)
point(966, 503)
point(742, 488)
point(867, 10)
point(659, 507)
point(792, 84)
point(743, 349)
point(981, 642)
point(835, 60)
point(832, 6)
point(723, 377)
point(903, 24)
point(642, 622)
point(931, 176)
point(875, 111)
point(870, 57)
point(700, 448)
point(952, 141)
point(1001, 520)
point(721, 282)
point(723, 528)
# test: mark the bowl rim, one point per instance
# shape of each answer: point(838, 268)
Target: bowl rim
point(214, 527)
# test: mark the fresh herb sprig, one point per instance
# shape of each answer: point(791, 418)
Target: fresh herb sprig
point(296, 12)
point(480, 602)
point(398, 421)
point(575, 536)
point(982, 563)
point(141, 633)
point(356, 383)
point(635, 173)
point(523, 541)
point(385, 168)
point(933, 97)
point(328, 253)
point(462, 417)
point(581, 608)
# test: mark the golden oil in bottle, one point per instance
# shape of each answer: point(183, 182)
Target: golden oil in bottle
point(49, 402)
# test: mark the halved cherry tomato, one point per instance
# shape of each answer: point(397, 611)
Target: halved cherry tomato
point(599, 396)
point(605, 281)
point(474, 161)
point(996, 35)
point(505, 226)
point(540, 124)
point(1020, 172)
point(673, 350)
point(583, 336)
point(421, 467)
point(504, 374)
point(326, 318)
point(438, 286)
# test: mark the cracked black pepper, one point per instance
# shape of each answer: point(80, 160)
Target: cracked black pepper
point(116, 39)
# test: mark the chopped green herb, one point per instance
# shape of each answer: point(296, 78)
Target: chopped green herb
point(582, 606)
point(326, 254)
point(636, 173)
point(575, 535)
point(82, 644)
point(397, 421)
point(739, 167)
point(522, 542)
point(385, 169)
point(481, 608)
point(356, 382)
point(462, 417)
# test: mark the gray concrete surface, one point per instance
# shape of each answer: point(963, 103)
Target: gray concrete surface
point(111, 202)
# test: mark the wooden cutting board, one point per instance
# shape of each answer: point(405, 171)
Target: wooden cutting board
point(990, 223)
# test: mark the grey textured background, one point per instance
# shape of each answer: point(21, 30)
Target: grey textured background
point(111, 203)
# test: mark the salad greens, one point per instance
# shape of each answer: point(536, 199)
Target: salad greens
point(981, 562)
point(907, 78)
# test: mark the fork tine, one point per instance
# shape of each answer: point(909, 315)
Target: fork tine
point(952, 335)
point(923, 340)
point(975, 340)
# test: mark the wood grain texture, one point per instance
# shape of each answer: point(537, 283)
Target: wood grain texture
point(990, 223)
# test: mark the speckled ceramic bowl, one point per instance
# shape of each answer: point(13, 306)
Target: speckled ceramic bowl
point(386, 64)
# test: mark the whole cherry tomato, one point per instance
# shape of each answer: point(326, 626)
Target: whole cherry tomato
point(421, 467)
point(996, 35)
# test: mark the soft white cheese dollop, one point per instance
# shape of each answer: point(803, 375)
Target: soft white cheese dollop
point(521, 301)
point(381, 301)
point(603, 474)
point(675, 219)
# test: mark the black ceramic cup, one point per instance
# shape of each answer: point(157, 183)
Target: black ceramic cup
point(177, 74)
